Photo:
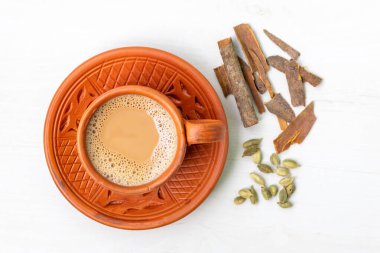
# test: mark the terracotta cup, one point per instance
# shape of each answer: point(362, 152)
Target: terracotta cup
point(189, 132)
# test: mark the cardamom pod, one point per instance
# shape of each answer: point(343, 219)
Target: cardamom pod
point(290, 164)
point(239, 200)
point(250, 151)
point(286, 181)
point(257, 178)
point(265, 168)
point(285, 205)
point(251, 142)
point(274, 159)
point(253, 198)
point(290, 189)
point(282, 171)
point(266, 193)
point(245, 193)
point(282, 196)
point(257, 157)
point(273, 190)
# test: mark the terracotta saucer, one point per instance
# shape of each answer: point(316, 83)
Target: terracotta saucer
point(185, 86)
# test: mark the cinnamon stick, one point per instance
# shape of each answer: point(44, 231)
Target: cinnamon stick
point(278, 106)
point(222, 77)
point(237, 84)
point(295, 85)
point(297, 131)
point(283, 45)
point(248, 41)
point(248, 75)
point(281, 63)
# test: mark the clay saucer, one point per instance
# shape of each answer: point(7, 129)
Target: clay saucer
point(169, 74)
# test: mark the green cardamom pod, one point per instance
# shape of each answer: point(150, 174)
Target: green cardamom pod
point(250, 151)
point(282, 196)
point(273, 190)
point(286, 181)
point(266, 193)
point(282, 171)
point(290, 189)
point(253, 198)
point(245, 193)
point(290, 164)
point(275, 159)
point(257, 178)
point(257, 157)
point(265, 168)
point(239, 200)
point(285, 205)
point(251, 142)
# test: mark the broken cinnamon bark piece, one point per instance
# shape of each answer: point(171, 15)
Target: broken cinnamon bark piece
point(279, 107)
point(222, 77)
point(237, 84)
point(310, 77)
point(260, 84)
point(283, 45)
point(248, 75)
point(297, 131)
point(295, 85)
point(280, 64)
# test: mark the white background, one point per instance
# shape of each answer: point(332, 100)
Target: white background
point(337, 202)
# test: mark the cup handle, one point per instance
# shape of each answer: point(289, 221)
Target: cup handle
point(204, 131)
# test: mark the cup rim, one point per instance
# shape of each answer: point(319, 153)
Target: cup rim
point(169, 107)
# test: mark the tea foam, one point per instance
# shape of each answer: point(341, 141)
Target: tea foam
point(118, 167)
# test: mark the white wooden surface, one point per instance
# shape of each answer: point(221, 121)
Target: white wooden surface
point(337, 203)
